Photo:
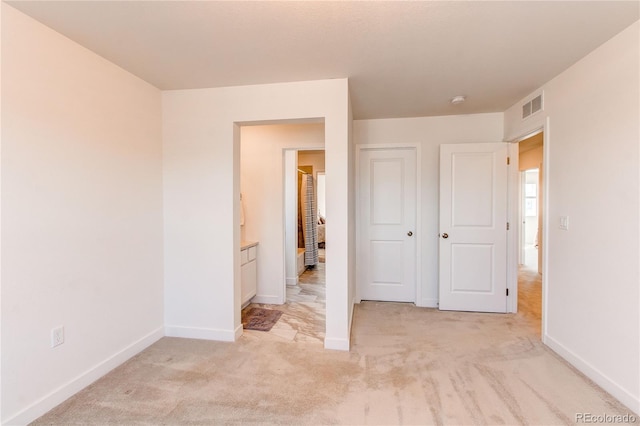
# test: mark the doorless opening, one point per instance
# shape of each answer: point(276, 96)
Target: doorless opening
point(268, 184)
point(529, 224)
point(530, 215)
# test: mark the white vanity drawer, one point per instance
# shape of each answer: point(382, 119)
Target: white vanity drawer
point(252, 253)
point(244, 256)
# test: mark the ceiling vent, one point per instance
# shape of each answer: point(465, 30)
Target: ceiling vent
point(531, 107)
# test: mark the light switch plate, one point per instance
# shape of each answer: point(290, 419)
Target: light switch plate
point(57, 336)
point(564, 223)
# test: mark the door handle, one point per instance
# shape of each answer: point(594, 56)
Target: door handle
point(445, 235)
point(409, 233)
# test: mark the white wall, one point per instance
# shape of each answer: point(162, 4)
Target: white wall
point(201, 143)
point(592, 295)
point(1, 34)
point(262, 187)
point(81, 216)
point(314, 159)
point(320, 190)
point(291, 216)
point(429, 133)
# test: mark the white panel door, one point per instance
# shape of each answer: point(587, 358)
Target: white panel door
point(387, 206)
point(473, 227)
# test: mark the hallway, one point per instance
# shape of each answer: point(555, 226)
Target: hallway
point(530, 297)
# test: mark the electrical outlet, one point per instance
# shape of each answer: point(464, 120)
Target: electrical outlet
point(564, 223)
point(57, 336)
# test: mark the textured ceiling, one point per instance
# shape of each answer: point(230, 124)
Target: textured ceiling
point(403, 59)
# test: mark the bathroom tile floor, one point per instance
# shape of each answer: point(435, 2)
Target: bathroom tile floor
point(303, 315)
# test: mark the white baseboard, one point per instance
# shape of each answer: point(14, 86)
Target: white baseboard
point(238, 332)
point(352, 308)
point(201, 333)
point(351, 311)
point(621, 394)
point(267, 300)
point(291, 281)
point(340, 343)
point(337, 344)
point(75, 385)
point(428, 303)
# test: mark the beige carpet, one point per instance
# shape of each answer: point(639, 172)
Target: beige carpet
point(407, 365)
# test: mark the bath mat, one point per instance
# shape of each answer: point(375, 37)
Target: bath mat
point(260, 319)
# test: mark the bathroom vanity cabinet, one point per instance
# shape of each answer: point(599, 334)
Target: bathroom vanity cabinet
point(249, 270)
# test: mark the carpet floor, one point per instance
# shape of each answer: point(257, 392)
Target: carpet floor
point(407, 365)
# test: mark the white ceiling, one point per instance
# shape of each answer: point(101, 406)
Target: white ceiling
point(403, 59)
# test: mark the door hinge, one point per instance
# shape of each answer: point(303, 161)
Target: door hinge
point(508, 160)
point(508, 226)
point(507, 292)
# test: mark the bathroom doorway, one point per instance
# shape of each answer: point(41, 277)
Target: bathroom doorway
point(305, 242)
point(311, 218)
point(268, 184)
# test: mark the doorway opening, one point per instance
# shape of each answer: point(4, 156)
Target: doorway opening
point(268, 184)
point(311, 212)
point(530, 166)
point(305, 243)
point(529, 229)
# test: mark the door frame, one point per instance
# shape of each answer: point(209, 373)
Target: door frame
point(513, 244)
point(418, 229)
point(521, 216)
point(290, 199)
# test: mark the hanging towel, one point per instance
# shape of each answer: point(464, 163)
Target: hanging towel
point(309, 222)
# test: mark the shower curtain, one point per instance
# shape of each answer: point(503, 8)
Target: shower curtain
point(309, 221)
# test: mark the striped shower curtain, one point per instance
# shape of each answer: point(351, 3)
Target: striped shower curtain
point(309, 221)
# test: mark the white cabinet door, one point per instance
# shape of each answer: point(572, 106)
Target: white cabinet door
point(248, 274)
point(473, 227)
point(387, 216)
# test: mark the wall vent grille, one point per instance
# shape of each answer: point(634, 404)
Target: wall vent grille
point(531, 107)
